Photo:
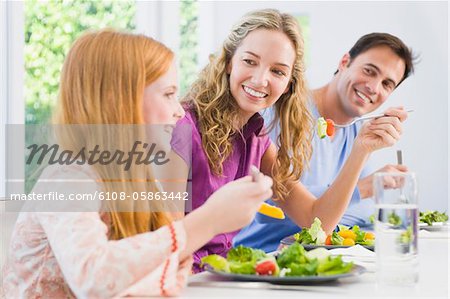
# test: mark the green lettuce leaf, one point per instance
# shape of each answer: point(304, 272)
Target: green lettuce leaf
point(333, 266)
point(217, 262)
point(240, 254)
point(429, 217)
point(242, 260)
point(329, 263)
point(344, 268)
point(304, 237)
point(243, 267)
point(292, 254)
point(368, 242)
point(303, 269)
point(336, 239)
point(360, 234)
point(317, 233)
point(394, 219)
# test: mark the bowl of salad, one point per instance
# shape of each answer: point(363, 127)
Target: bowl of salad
point(433, 220)
point(314, 236)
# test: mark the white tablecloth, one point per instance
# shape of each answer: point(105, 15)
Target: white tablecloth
point(433, 282)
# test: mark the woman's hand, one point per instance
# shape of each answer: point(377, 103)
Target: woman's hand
point(382, 132)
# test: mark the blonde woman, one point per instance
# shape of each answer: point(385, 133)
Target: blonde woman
point(127, 248)
point(261, 65)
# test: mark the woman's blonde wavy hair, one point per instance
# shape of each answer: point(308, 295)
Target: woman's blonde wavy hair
point(102, 83)
point(217, 111)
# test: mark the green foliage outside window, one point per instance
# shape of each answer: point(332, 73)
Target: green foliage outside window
point(303, 21)
point(188, 44)
point(50, 29)
point(52, 26)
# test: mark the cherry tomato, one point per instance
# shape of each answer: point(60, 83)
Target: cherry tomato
point(267, 267)
point(330, 127)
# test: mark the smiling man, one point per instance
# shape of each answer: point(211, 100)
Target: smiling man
point(366, 76)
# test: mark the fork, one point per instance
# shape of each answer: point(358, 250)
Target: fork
point(266, 209)
point(402, 197)
point(365, 118)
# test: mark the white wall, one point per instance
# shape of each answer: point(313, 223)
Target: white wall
point(11, 100)
point(335, 26)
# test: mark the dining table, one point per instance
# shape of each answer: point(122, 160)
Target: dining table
point(433, 282)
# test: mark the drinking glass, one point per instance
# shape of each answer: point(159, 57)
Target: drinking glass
point(396, 219)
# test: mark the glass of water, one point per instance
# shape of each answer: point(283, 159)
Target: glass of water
point(396, 218)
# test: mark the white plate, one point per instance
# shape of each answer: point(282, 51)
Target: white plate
point(291, 240)
point(288, 280)
point(436, 226)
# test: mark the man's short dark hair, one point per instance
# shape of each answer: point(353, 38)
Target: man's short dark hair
point(377, 39)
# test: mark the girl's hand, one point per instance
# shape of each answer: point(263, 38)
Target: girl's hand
point(382, 132)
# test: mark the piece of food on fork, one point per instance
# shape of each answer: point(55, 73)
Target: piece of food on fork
point(327, 127)
point(266, 209)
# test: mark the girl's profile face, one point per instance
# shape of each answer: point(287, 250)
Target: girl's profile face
point(160, 102)
point(161, 108)
point(260, 70)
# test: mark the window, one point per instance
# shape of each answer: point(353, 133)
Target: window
point(50, 29)
point(188, 56)
point(303, 21)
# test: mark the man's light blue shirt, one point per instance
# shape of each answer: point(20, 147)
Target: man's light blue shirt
point(328, 157)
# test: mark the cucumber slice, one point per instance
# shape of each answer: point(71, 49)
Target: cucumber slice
point(321, 127)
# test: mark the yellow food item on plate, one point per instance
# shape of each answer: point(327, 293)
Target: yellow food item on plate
point(348, 242)
point(347, 234)
point(369, 236)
